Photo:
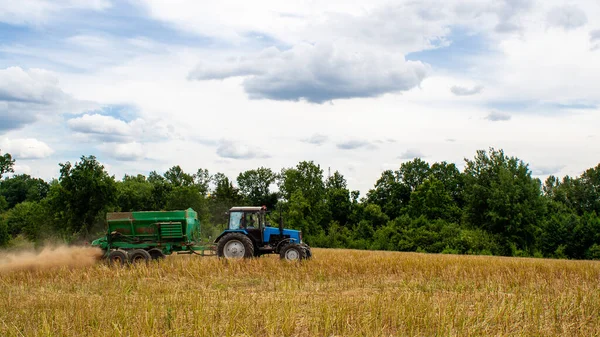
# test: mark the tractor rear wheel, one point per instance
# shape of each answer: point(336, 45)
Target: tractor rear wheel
point(292, 252)
point(235, 245)
point(117, 257)
point(138, 256)
point(156, 254)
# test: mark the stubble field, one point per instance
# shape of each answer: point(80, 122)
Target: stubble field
point(337, 293)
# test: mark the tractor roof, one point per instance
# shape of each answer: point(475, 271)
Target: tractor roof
point(246, 208)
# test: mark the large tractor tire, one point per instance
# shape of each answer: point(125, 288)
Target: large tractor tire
point(117, 258)
point(139, 256)
point(235, 246)
point(292, 252)
point(156, 254)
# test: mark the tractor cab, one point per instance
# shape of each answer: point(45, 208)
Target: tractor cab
point(250, 219)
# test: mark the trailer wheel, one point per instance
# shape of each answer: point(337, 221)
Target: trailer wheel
point(292, 252)
point(139, 255)
point(235, 245)
point(117, 257)
point(156, 254)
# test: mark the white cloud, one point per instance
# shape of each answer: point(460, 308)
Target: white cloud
point(26, 148)
point(32, 86)
point(124, 151)
point(100, 124)
point(109, 128)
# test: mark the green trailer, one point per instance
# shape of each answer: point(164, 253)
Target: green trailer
point(142, 236)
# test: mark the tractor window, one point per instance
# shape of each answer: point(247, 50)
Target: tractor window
point(252, 220)
point(235, 220)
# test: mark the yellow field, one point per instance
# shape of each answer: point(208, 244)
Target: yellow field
point(338, 293)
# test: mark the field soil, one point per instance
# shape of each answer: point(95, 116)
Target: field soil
point(337, 293)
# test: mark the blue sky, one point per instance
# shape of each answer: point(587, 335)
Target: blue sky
point(142, 84)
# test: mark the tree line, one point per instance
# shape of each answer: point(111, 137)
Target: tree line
point(493, 207)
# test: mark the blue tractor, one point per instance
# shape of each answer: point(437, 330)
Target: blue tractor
point(249, 235)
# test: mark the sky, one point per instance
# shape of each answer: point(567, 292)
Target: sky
point(359, 87)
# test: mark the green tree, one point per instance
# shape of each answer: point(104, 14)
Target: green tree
point(390, 194)
point(177, 177)
point(202, 181)
point(29, 219)
point(393, 189)
point(337, 199)
point(502, 198)
point(4, 236)
point(86, 192)
point(23, 187)
point(306, 182)
point(160, 190)
point(135, 193)
point(255, 187)
point(6, 164)
point(223, 197)
point(432, 200)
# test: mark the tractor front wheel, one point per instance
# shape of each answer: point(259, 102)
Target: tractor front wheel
point(236, 246)
point(292, 252)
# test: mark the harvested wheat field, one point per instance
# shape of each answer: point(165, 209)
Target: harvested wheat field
point(337, 293)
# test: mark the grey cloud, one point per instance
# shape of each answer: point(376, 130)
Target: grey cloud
point(464, 91)
point(12, 119)
point(236, 150)
point(353, 144)
point(567, 17)
point(320, 73)
point(411, 154)
point(508, 11)
point(547, 170)
point(595, 36)
point(317, 139)
point(451, 140)
point(496, 116)
point(25, 95)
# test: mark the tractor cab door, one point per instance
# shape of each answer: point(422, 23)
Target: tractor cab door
point(254, 226)
point(251, 221)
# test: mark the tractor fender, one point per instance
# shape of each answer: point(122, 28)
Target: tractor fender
point(243, 231)
point(282, 243)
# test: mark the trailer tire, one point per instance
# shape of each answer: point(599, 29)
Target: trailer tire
point(139, 255)
point(235, 245)
point(292, 252)
point(117, 257)
point(156, 254)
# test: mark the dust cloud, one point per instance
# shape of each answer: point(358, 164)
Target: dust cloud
point(49, 258)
